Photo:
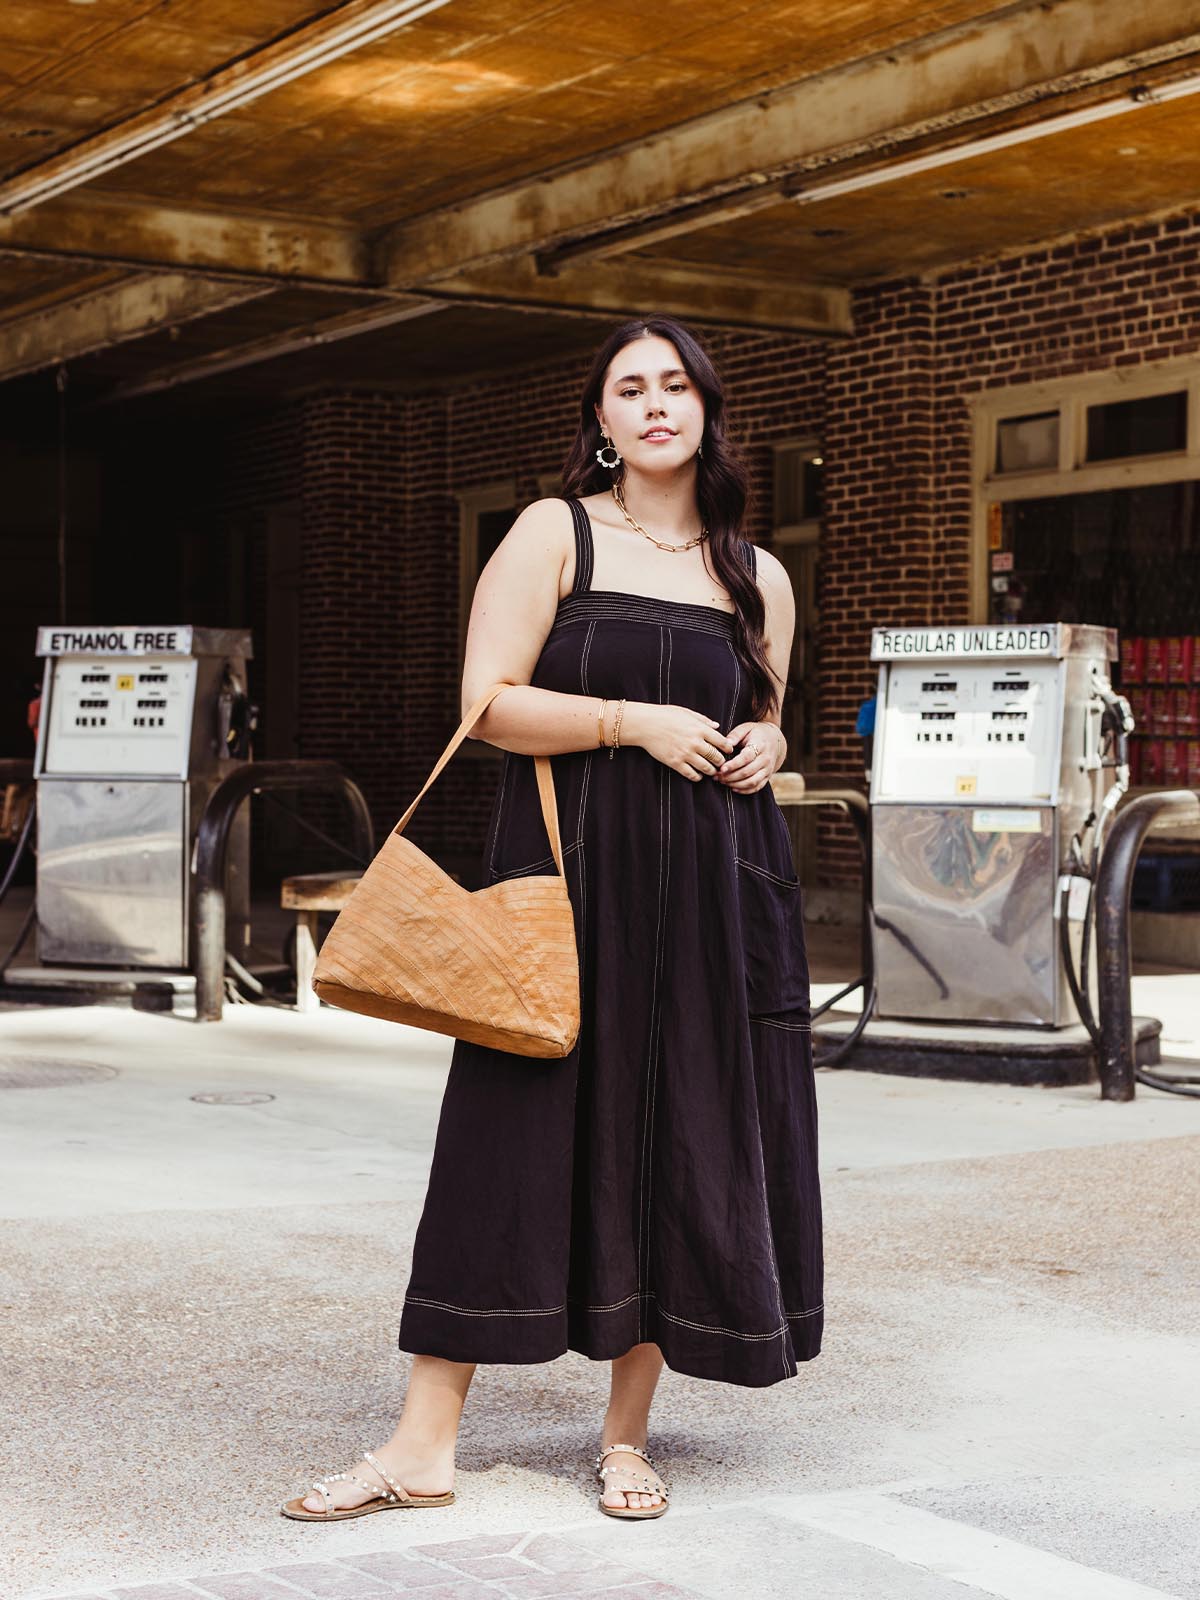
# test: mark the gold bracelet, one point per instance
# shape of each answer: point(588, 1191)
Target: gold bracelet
point(616, 738)
point(600, 724)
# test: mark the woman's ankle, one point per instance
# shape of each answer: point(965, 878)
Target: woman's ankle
point(424, 1441)
point(625, 1433)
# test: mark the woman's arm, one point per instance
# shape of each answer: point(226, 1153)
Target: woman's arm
point(512, 612)
point(746, 771)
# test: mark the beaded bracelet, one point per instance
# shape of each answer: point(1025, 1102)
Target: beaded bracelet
point(616, 738)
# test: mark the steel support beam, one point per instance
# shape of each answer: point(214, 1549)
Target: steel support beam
point(627, 286)
point(176, 239)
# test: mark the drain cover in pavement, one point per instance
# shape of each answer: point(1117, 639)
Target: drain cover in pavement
point(33, 1072)
point(246, 1097)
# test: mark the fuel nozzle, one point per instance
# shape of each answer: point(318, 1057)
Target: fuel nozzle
point(1117, 719)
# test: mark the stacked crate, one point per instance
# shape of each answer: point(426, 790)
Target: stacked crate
point(1160, 677)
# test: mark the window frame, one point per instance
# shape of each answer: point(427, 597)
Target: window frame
point(1074, 474)
point(808, 529)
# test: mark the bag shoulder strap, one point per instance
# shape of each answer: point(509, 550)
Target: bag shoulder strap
point(545, 776)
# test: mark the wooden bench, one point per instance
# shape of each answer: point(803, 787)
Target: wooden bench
point(308, 894)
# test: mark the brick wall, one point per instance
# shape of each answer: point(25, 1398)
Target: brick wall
point(379, 476)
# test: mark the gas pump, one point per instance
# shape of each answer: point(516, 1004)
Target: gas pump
point(138, 726)
point(1000, 755)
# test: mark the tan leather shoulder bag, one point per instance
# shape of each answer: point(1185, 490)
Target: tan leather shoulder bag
point(495, 966)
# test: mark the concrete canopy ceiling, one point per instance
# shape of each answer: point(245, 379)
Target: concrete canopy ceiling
point(417, 174)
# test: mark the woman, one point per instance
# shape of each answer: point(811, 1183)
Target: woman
point(654, 1195)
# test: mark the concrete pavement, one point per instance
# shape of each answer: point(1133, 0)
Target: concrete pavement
point(201, 1287)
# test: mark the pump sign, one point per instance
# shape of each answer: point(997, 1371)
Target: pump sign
point(893, 644)
point(142, 641)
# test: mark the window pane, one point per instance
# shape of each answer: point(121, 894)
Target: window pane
point(1026, 443)
point(1122, 558)
point(798, 475)
point(492, 526)
point(1145, 427)
point(814, 488)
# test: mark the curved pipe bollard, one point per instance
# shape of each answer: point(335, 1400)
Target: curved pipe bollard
point(212, 841)
point(1114, 883)
point(792, 789)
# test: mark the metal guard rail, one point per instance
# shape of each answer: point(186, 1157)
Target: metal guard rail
point(1114, 885)
point(792, 789)
point(212, 842)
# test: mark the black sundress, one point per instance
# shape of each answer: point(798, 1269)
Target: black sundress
point(660, 1182)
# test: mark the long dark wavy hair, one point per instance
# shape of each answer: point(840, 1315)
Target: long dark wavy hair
point(722, 487)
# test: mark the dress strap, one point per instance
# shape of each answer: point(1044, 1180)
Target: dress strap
point(750, 557)
point(583, 546)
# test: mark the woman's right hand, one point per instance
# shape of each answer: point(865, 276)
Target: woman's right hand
point(679, 737)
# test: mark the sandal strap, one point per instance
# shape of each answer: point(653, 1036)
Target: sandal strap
point(380, 1494)
point(659, 1488)
point(634, 1449)
point(397, 1492)
point(322, 1486)
point(652, 1487)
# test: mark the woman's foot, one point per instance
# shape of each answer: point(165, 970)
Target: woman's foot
point(629, 1469)
point(426, 1470)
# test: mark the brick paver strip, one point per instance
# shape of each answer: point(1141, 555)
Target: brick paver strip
point(494, 1566)
point(480, 1544)
point(157, 1591)
point(244, 1586)
point(572, 1585)
point(486, 1568)
point(405, 1573)
point(555, 1554)
point(327, 1580)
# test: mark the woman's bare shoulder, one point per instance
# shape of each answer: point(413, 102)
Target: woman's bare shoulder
point(541, 529)
point(548, 516)
point(774, 582)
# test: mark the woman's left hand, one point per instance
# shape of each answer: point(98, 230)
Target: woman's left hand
point(757, 759)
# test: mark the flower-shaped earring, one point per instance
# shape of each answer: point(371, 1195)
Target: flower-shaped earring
point(608, 445)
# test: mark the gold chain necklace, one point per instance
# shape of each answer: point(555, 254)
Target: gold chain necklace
point(619, 497)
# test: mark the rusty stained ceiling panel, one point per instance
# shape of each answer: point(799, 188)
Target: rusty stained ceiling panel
point(448, 348)
point(1131, 165)
point(474, 95)
point(68, 70)
point(256, 319)
point(32, 285)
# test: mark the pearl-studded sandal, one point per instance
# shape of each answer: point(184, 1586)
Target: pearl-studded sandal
point(389, 1498)
point(645, 1487)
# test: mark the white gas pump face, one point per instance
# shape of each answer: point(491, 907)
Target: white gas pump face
point(129, 715)
point(982, 729)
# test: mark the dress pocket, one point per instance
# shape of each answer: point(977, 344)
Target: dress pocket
point(772, 919)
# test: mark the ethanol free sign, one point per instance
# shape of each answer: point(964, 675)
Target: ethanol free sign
point(141, 641)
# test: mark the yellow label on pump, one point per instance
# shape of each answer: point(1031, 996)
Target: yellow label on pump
point(125, 680)
point(965, 785)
